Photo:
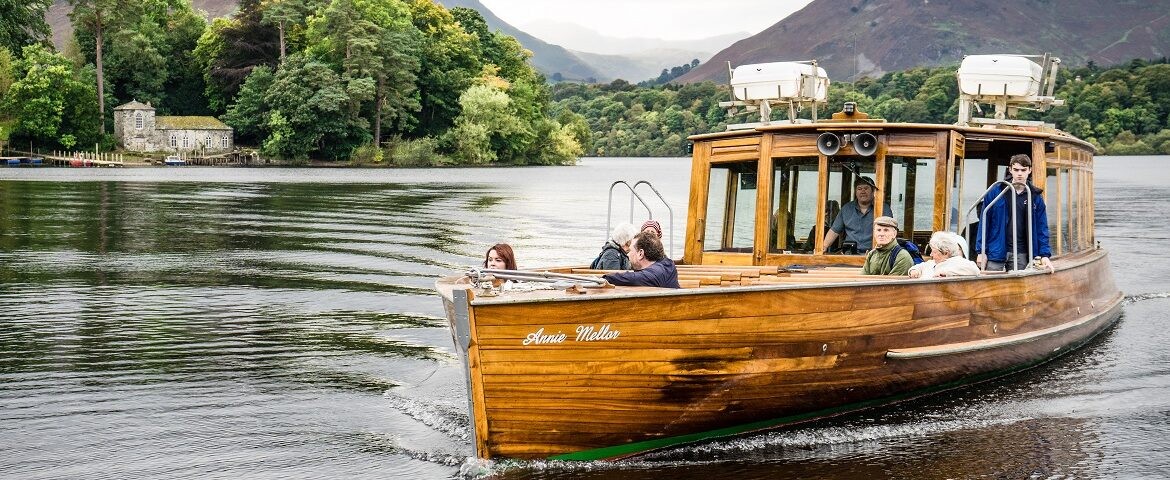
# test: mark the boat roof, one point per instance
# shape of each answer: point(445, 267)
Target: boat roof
point(1029, 132)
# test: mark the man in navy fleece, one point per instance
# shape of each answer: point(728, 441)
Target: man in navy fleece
point(651, 267)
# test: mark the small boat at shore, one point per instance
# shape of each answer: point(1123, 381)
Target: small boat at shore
point(773, 326)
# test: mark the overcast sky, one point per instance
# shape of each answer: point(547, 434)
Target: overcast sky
point(666, 19)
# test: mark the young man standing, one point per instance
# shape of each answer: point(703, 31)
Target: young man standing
point(651, 266)
point(1005, 251)
point(877, 261)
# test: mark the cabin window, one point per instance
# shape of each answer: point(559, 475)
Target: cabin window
point(731, 208)
point(843, 174)
point(138, 121)
point(794, 205)
point(224, 142)
point(1071, 222)
point(970, 185)
point(185, 142)
point(174, 141)
point(911, 195)
point(1053, 195)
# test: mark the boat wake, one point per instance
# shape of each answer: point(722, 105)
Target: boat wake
point(1132, 299)
point(828, 440)
point(446, 419)
point(797, 444)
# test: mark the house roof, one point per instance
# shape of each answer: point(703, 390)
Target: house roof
point(133, 105)
point(189, 123)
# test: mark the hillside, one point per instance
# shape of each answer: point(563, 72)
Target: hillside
point(546, 57)
point(853, 38)
point(576, 37)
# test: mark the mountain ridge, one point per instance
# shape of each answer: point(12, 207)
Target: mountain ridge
point(872, 37)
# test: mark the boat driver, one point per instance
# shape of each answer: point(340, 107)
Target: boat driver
point(856, 218)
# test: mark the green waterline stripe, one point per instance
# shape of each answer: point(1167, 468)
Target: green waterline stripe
point(648, 445)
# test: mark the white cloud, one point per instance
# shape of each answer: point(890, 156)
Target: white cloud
point(666, 19)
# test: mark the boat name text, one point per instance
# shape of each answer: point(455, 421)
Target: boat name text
point(585, 333)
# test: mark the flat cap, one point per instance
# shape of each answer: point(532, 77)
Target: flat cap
point(886, 222)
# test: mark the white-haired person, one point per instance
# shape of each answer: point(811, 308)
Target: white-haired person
point(613, 253)
point(947, 258)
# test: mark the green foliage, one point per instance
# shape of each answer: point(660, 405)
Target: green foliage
point(308, 112)
point(670, 74)
point(415, 152)
point(449, 59)
point(230, 48)
point(247, 115)
point(53, 104)
point(7, 71)
point(22, 22)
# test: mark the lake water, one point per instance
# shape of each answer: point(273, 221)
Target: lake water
point(280, 323)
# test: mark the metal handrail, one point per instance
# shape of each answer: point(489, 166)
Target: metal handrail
point(670, 212)
point(1008, 187)
point(609, 206)
point(530, 276)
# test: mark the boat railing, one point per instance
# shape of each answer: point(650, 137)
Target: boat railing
point(1007, 187)
point(669, 212)
point(634, 195)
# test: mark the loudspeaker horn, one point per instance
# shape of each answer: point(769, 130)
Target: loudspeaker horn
point(865, 144)
point(828, 143)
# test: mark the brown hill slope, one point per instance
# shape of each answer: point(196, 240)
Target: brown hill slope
point(852, 38)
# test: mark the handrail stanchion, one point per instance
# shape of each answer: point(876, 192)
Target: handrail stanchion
point(670, 211)
point(609, 206)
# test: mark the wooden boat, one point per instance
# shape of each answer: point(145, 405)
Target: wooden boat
point(773, 330)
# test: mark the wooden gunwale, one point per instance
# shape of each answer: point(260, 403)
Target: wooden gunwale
point(1001, 342)
point(589, 377)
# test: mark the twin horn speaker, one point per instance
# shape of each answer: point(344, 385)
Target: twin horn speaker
point(865, 144)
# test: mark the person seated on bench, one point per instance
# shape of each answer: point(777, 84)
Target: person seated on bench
point(651, 266)
point(877, 261)
point(946, 258)
point(613, 254)
point(856, 218)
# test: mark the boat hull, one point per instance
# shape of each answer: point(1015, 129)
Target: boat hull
point(605, 375)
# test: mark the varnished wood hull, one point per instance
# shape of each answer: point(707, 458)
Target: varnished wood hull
point(690, 364)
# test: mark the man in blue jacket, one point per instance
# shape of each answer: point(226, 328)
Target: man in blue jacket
point(651, 266)
point(1003, 251)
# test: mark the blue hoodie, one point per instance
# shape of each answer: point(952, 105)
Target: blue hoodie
point(999, 228)
point(659, 274)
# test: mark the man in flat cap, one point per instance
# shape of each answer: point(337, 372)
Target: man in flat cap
point(856, 218)
point(877, 261)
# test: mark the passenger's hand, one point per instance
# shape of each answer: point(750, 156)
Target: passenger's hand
point(1046, 264)
point(915, 273)
point(981, 260)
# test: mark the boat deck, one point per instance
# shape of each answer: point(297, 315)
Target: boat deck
point(699, 279)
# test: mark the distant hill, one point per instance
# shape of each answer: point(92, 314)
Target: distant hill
point(576, 37)
point(853, 38)
point(546, 57)
point(633, 58)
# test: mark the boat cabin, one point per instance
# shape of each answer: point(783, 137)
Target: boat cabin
point(768, 195)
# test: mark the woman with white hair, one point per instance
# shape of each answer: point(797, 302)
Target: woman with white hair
point(613, 253)
point(947, 258)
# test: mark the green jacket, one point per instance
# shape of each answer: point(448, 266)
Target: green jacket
point(877, 261)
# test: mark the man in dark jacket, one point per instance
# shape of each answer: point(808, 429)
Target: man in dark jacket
point(651, 267)
point(1001, 250)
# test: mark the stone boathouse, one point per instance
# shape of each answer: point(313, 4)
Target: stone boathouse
point(139, 130)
